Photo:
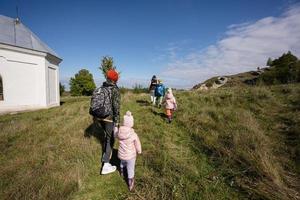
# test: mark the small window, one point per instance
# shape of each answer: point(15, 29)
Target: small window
point(1, 89)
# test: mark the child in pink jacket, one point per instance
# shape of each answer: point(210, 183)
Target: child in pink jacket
point(129, 146)
point(170, 104)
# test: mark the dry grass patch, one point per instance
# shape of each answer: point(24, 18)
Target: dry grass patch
point(236, 127)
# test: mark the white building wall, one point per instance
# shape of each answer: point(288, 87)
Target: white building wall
point(23, 76)
point(52, 89)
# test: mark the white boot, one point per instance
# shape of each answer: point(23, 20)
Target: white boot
point(108, 168)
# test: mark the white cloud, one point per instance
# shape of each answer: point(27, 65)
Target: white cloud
point(131, 82)
point(244, 47)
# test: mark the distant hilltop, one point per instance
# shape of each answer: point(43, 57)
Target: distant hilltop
point(245, 78)
point(285, 69)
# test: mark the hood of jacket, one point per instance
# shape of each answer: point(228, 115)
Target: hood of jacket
point(109, 83)
point(169, 95)
point(124, 132)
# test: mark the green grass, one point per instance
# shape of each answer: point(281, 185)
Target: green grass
point(251, 135)
point(231, 143)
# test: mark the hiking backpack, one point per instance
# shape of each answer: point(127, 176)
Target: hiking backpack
point(159, 90)
point(101, 106)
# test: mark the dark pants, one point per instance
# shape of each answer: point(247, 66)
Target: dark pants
point(109, 141)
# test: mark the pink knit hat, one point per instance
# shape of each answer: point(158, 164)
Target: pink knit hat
point(128, 119)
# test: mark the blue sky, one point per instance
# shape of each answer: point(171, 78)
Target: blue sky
point(183, 42)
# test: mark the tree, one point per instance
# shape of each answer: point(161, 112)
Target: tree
point(284, 60)
point(285, 69)
point(82, 84)
point(269, 62)
point(61, 88)
point(107, 63)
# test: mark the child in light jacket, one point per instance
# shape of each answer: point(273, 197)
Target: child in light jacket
point(170, 104)
point(129, 146)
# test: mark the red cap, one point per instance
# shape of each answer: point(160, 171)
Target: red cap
point(112, 75)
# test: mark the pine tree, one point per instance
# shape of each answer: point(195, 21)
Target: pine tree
point(269, 62)
point(107, 63)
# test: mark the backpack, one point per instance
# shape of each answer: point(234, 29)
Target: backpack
point(101, 106)
point(159, 90)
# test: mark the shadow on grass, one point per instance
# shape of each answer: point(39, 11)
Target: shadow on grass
point(161, 114)
point(143, 102)
point(62, 103)
point(95, 130)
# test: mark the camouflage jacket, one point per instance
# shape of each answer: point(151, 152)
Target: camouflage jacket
point(116, 100)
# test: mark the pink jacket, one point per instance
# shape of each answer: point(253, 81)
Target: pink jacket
point(129, 143)
point(170, 101)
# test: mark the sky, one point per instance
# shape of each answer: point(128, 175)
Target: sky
point(182, 42)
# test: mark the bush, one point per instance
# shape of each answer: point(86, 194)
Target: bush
point(138, 88)
point(61, 89)
point(123, 90)
point(285, 69)
point(82, 84)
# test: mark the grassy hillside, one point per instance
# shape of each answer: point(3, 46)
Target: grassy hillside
point(283, 70)
point(231, 143)
point(240, 80)
point(251, 135)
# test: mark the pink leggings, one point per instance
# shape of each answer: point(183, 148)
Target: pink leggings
point(129, 164)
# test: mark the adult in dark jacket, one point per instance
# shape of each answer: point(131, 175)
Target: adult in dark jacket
point(152, 89)
point(110, 123)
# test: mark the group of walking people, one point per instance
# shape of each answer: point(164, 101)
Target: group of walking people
point(105, 109)
point(159, 96)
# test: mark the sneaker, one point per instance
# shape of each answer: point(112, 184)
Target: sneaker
point(108, 168)
point(130, 184)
